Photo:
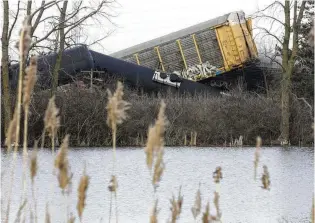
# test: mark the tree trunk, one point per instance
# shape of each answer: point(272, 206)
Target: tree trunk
point(5, 66)
point(61, 48)
point(288, 65)
point(285, 80)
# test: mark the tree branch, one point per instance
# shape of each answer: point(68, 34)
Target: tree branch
point(296, 27)
point(86, 17)
point(38, 17)
point(29, 7)
point(15, 19)
point(269, 17)
point(44, 7)
point(270, 34)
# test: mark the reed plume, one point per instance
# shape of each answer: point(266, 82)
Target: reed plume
point(23, 46)
point(29, 81)
point(33, 171)
point(155, 145)
point(197, 205)
point(217, 175)
point(257, 154)
point(154, 213)
point(265, 178)
point(116, 113)
point(51, 121)
point(83, 186)
point(62, 164)
point(33, 166)
point(11, 132)
point(28, 86)
point(176, 206)
point(206, 215)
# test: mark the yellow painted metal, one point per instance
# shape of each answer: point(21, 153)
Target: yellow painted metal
point(236, 44)
point(244, 42)
point(196, 46)
point(221, 49)
point(250, 41)
point(240, 42)
point(249, 24)
point(228, 47)
point(159, 56)
point(182, 53)
point(137, 58)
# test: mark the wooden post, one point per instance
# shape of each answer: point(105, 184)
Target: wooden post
point(91, 83)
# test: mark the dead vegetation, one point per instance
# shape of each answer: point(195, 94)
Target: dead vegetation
point(218, 121)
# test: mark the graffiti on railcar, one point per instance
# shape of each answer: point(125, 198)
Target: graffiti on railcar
point(199, 71)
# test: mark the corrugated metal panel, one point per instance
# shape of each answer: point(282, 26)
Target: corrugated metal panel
point(209, 47)
point(171, 56)
point(171, 37)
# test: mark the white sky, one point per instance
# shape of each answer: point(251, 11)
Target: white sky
point(143, 20)
point(138, 21)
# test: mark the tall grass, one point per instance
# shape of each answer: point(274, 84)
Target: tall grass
point(116, 114)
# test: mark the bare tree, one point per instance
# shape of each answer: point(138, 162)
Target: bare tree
point(84, 13)
point(287, 42)
point(63, 11)
point(5, 63)
point(7, 30)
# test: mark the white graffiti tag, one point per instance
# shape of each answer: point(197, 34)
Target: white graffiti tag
point(199, 71)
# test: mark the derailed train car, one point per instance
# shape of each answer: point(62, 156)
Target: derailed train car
point(214, 52)
point(73, 61)
point(80, 58)
point(206, 57)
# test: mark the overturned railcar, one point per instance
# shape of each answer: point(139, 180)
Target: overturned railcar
point(74, 60)
point(210, 56)
point(214, 52)
point(80, 59)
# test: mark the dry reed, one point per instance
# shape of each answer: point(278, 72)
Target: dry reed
point(62, 164)
point(116, 114)
point(176, 206)
point(217, 175)
point(217, 206)
point(33, 171)
point(257, 154)
point(19, 213)
point(206, 215)
point(51, 122)
point(154, 213)
point(28, 86)
point(11, 132)
point(33, 166)
point(71, 219)
point(197, 205)
point(47, 214)
point(265, 178)
point(23, 46)
point(83, 186)
point(155, 146)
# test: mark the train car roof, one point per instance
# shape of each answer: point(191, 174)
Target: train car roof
point(171, 37)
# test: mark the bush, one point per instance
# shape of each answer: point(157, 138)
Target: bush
point(216, 120)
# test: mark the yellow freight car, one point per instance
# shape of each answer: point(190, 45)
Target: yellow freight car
point(205, 50)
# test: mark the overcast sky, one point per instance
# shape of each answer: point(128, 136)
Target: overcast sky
point(143, 20)
point(138, 21)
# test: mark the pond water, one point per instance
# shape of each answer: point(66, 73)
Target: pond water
point(241, 197)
